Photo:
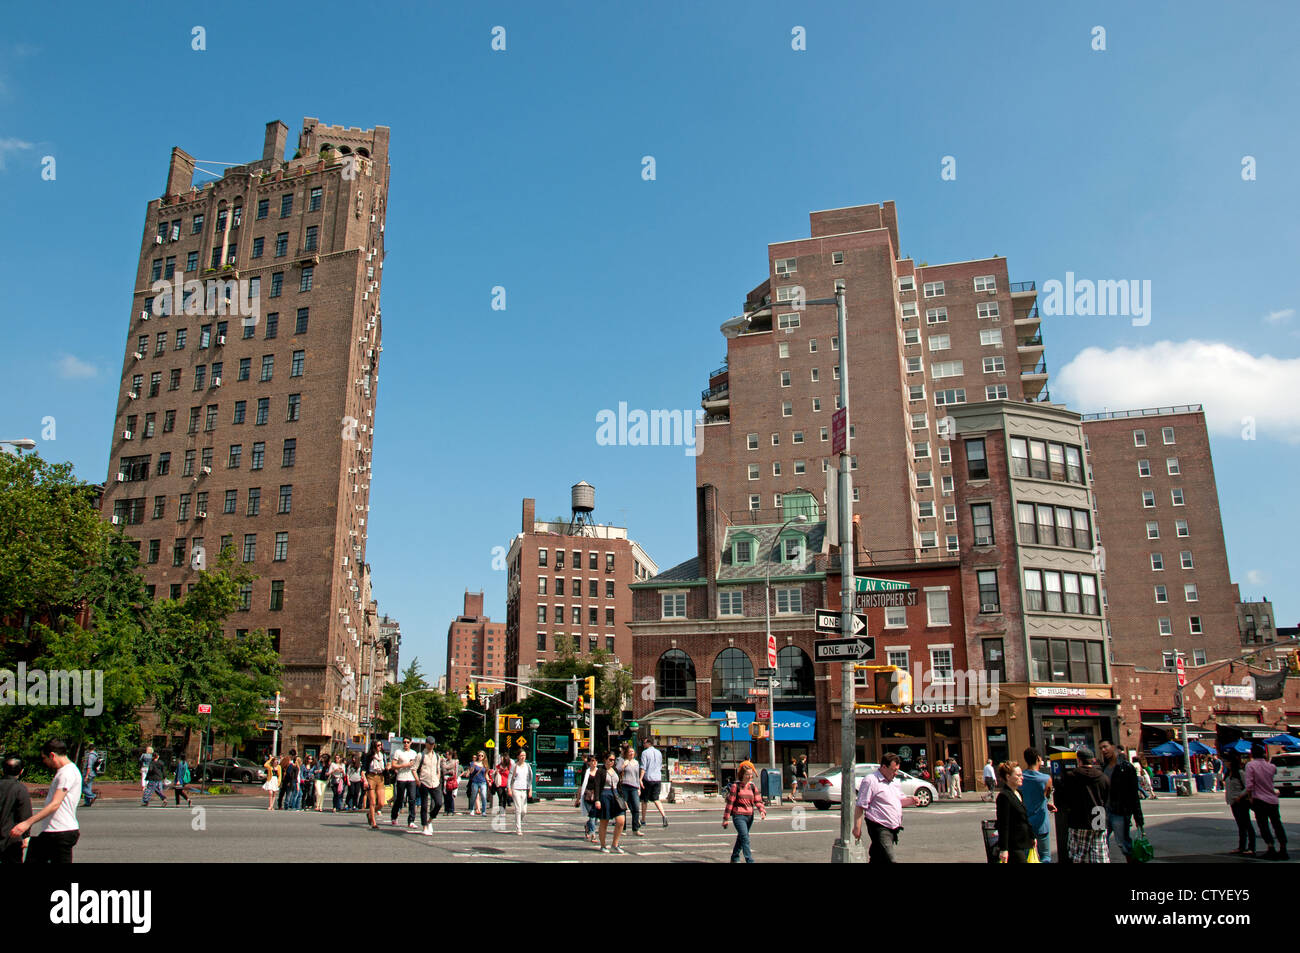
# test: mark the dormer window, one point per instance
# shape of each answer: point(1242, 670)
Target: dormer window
point(742, 551)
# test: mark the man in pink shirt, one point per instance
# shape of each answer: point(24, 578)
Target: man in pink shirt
point(881, 803)
point(1263, 800)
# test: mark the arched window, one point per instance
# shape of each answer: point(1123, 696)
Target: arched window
point(363, 151)
point(676, 678)
point(345, 150)
point(795, 673)
point(733, 675)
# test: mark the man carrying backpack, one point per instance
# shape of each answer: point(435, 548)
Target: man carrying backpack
point(1085, 794)
point(94, 766)
point(428, 772)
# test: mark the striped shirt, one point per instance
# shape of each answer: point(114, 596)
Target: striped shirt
point(741, 799)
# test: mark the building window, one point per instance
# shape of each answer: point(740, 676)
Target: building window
point(281, 547)
point(250, 547)
point(290, 452)
point(1162, 594)
point(1194, 625)
point(733, 675)
point(1167, 435)
point(976, 463)
point(1157, 562)
point(1190, 593)
point(1153, 529)
point(300, 322)
point(936, 607)
point(258, 455)
point(982, 517)
point(988, 590)
point(676, 675)
point(1176, 496)
point(305, 282)
point(1148, 499)
point(268, 367)
point(296, 367)
point(933, 289)
point(1172, 466)
point(1186, 559)
point(673, 605)
point(789, 601)
point(295, 407)
point(1180, 528)
point(277, 595)
point(1164, 626)
point(1139, 438)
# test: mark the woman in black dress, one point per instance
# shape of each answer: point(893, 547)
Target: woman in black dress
point(1015, 838)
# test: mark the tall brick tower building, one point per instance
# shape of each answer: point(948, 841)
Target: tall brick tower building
point(1166, 576)
point(245, 418)
point(923, 338)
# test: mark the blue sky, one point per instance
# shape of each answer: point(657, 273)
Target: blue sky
point(522, 169)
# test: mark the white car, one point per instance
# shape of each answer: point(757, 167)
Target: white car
point(1287, 779)
point(824, 789)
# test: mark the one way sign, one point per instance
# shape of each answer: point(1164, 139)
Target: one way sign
point(844, 650)
point(830, 622)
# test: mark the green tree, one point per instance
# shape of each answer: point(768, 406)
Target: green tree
point(195, 663)
point(62, 564)
point(426, 713)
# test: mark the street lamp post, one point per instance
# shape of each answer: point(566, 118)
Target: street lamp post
point(767, 618)
point(26, 443)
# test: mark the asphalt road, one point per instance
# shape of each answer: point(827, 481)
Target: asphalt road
point(240, 830)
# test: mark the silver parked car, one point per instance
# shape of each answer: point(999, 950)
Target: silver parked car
point(824, 789)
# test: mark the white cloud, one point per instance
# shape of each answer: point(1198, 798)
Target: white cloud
point(1278, 317)
point(1255, 577)
point(11, 145)
point(1231, 384)
point(72, 368)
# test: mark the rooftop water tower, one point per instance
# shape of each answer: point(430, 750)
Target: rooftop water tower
point(583, 498)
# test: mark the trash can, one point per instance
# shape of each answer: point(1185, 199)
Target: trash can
point(989, 831)
point(770, 784)
point(1183, 786)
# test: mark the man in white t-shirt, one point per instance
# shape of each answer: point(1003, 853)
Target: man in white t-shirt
point(403, 762)
point(57, 820)
point(652, 767)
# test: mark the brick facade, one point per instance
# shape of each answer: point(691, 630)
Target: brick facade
point(1122, 514)
point(321, 233)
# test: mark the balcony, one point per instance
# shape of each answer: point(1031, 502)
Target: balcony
point(1032, 343)
point(1027, 318)
point(716, 399)
point(1033, 378)
point(1022, 288)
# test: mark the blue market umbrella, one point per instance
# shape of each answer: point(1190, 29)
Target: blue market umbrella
point(1196, 747)
point(1167, 750)
point(1285, 740)
point(1241, 746)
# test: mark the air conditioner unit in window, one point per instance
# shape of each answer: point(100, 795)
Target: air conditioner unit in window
point(115, 520)
point(983, 540)
point(216, 382)
point(201, 515)
point(1002, 373)
point(206, 471)
point(221, 339)
point(133, 395)
point(989, 607)
point(157, 239)
point(126, 435)
point(137, 355)
point(144, 315)
point(121, 477)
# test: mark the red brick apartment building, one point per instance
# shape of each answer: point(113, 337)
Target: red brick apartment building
point(924, 338)
point(569, 580)
point(700, 638)
point(250, 429)
point(1166, 578)
point(476, 647)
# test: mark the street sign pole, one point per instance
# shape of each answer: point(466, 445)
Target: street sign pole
point(843, 852)
point(275, 741)
point(1180, 665)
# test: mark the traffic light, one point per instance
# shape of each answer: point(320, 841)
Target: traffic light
point(891, 687)
point(1293, 662)
point(757, 730)
point(472, 694)
point(589, 686)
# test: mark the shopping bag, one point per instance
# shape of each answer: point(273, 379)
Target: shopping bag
point(388, 792)
point(1142, 849)
point(1033, 856)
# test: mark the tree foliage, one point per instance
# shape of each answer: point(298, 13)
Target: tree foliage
point(426, 713)
point(62, 564)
